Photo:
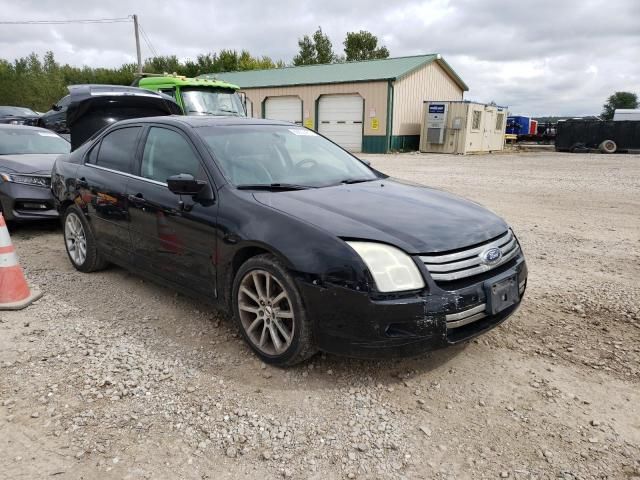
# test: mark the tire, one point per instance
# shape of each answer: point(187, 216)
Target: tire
point(608, 146)
point(264, 325)
point(75, 228)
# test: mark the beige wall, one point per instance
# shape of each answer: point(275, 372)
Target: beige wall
point(374, 94)
point(454, 140)
point(467, 139)
point(428, 83)
point(488, 137)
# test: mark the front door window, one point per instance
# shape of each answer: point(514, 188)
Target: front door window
point(167, 153)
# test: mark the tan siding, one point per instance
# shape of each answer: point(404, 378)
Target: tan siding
point(454, 140)
point(430, 82)
point(466, 139)
point(374, 94)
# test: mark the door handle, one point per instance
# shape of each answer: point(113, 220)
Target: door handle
point(137, 199)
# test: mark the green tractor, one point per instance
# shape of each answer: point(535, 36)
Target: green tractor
point(197, 96)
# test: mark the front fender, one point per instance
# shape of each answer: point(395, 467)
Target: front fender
point(306, 249)
point(63, 178)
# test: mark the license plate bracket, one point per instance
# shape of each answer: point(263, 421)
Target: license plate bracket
point(502, 292)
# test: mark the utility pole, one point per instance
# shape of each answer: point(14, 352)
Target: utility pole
point(137, 32)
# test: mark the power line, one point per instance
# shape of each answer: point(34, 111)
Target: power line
point(147, 40)
point(63, 22)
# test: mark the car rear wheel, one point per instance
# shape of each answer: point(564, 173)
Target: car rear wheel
point(270, 313)
point(608, 146)
point(80, 242)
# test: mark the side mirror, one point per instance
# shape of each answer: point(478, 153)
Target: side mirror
point(55, 107)
point(185, 184)
point(366, 162)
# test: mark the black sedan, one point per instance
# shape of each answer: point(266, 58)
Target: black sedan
point(18, 116)
point(307, 246)
point(26, 157)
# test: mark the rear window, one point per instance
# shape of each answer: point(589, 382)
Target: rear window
point(118, 149)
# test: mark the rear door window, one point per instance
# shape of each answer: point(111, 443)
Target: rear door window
point(168, 153)
point(118, 149)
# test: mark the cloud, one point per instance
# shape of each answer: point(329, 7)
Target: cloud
point(543, 57)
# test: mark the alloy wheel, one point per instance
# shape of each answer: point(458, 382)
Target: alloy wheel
point(75, 239)
point(266, 313)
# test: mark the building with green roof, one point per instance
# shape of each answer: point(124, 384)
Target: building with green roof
point(371, 106)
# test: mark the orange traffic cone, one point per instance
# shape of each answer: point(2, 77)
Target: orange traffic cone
point(14, 291)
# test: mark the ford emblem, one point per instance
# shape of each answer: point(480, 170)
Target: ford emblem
point(491, 256)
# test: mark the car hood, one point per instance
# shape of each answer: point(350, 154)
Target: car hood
point(28, 163)
point(415, 218)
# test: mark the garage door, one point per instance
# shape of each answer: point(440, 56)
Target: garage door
point(340, 119)
point(288, 109)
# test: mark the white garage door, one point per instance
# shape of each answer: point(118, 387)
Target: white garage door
point(340, 119)
point(288, 109)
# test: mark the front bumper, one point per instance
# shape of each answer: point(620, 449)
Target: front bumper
point(354, 324)
point(23, 203)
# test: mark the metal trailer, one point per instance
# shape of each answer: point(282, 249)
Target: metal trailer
point(518, 124)
point(621, 114)
point(604, 136)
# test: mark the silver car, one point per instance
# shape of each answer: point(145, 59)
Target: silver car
point(26, 157)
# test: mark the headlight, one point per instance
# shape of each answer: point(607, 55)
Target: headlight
point(36, 180)
point(16, 122)
point(392, 269)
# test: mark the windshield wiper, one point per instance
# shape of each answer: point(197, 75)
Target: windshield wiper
point(225, 110)
point(349, 181)
point(273, 186)
point(220, 111)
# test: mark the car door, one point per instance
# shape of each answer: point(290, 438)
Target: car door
point(172, 240)
point(102, 183)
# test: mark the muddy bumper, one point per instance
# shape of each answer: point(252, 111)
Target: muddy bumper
point(356, 324)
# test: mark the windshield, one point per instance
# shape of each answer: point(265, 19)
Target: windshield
point(17, 111)
point(206, 101)
point(253, 155)
point(18, 141)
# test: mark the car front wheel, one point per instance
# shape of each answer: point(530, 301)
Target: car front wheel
point(270, 313)
point(80, 242)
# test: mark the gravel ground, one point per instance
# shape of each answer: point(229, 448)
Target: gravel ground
point(112, 377)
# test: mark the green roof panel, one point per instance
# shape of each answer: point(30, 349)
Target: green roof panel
point(347, 72)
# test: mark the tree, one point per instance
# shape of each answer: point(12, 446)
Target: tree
point(37, 83)
point(619, 100)
point(363, 45)
point(315, 49)
point(307, 53)
point(324, 48)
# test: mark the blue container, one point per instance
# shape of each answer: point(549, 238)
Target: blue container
point(518, 125)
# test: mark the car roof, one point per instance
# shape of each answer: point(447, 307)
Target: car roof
point(196, 121)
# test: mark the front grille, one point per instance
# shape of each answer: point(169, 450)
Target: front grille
point(467, 263)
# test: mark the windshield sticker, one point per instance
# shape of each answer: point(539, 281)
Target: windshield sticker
point(302, 131)
point(47, 134)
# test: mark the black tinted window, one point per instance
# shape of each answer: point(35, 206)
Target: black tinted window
point(118, 148)
point(168, 153)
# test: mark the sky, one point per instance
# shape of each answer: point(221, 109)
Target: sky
point(542, 57)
